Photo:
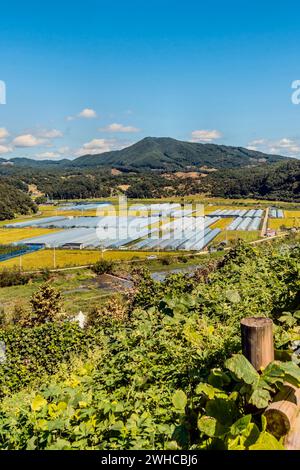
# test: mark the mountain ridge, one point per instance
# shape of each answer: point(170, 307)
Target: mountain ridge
point(161, 154)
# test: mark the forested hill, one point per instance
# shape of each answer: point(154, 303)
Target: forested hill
point(14, 201)
point(278, 181)
point(163, 153)
point(158, 153)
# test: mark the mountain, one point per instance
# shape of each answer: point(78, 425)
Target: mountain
point(159, 153)
point(31, 163)
point(163, 153)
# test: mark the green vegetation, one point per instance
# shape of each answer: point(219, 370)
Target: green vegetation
point(171, 155)
point(160, 368)
point(279, 181)
point(104, 266)
point(13, 200)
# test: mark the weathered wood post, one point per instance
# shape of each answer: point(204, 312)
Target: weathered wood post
point(257, 341)
point(282, 412)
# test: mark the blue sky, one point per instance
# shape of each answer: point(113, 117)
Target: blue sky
point(87, 77)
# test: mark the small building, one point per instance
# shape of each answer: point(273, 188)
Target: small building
point(73, 246)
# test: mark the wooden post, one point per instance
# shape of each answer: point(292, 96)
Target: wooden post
point(257, 341)
point(292, 440)
point(282, 412)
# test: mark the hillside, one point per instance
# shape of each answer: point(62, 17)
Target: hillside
point(13, 201)
point(163, 153)
point(157, 369)
point(280, 181)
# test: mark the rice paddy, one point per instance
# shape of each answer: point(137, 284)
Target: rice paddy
point(288, 222)
point(56, 259)
point(10, 236)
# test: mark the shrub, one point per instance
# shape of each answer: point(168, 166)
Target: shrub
point(13, 277)
point(103, 267)
point(46, 305)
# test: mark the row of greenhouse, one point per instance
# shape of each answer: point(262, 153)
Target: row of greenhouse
point(88, 238)
point(193, 240)
point(128, 232)
point(245, 223)
point(86, 222)
point(237, 213)
point(276, 213)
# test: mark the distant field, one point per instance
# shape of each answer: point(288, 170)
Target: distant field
point(222, 223)
point(68, 258)
point(289, 214)
point(16, 234)
point(275, 224)
point(236, 234)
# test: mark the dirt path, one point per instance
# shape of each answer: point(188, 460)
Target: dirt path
point(263, 232)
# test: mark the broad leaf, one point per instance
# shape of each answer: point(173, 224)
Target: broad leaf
point(266, 442)
point(179, 400)
point(242, 369)
point(38, 403)
point(217, 378)
point(260, 398)
point(225, 411)
point(207, 389)
point(240, 426)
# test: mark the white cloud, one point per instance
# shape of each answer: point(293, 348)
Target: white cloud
point(3, 134)
point(5, 149)
point(28, 140)
point(205, 135)
point(86, 113)
point(284, 146)
point(50, 133)
point(96, 146)
point(115, 127)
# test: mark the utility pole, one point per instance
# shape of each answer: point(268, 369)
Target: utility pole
point(54, 258)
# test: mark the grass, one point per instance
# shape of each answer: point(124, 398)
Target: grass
point(79, 291)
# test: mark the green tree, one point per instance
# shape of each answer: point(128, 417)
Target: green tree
point(46, 305)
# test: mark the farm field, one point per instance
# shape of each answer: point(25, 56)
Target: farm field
point(222, 223)
point(290, 213)
point(237, 234)
point(289, 222)
point(15, 235)
point(46, 258)
point(52, 259)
